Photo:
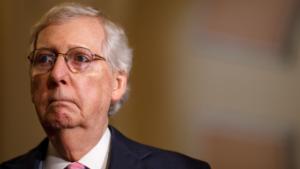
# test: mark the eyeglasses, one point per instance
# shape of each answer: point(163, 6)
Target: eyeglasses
point(77, 59)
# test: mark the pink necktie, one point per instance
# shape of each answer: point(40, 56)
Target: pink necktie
point(76, 165)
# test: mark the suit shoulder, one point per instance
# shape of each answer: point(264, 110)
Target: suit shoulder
point(15, 162)
point(27, 160)
point(156, 158)
point(159, 158)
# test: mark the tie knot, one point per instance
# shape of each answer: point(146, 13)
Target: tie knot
point(76, 165)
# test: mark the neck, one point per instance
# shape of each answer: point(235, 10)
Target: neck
point(72, 144)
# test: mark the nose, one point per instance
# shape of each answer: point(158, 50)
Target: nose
point(59, 73)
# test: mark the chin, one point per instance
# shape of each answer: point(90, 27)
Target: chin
point(57, 121)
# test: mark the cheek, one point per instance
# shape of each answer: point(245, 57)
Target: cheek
point(96, 93)
point(38, 88)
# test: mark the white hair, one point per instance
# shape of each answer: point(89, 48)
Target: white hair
point(115, 46)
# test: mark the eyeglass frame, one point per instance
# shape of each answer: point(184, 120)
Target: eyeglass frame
point(95, 57)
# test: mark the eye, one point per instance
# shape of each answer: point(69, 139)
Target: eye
point(80, 58)
point(43, 58)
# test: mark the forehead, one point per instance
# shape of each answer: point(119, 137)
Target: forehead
point(80, 31)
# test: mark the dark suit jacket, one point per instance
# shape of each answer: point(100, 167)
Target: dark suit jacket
point(124, 154)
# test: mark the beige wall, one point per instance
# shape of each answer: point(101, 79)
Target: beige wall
point(200, 93)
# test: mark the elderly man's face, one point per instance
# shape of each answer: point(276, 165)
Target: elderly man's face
point(64, 99)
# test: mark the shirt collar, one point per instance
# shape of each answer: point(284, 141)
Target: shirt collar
point(96, 158)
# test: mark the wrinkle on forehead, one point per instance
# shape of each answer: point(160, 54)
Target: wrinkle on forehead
point(81, 31)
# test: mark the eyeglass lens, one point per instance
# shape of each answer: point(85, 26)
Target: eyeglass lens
point(77, 59)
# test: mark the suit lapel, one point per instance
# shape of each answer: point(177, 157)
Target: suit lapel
point(38, 155)
point(125, 153)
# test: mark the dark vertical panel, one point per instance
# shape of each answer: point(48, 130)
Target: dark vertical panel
point(2, 127)
point(18, 118)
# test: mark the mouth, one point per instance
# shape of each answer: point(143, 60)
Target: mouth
point(61, 106)
point(57, 102)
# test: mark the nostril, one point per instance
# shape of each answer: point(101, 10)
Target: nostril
point(63, 82)
point(53, 83)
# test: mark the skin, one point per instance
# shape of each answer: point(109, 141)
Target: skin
point(72, 107)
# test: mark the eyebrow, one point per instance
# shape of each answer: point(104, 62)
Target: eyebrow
point(45, 48)
point(55, 48)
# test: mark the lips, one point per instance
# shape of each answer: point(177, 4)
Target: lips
point(55, 102)
point(60, 101)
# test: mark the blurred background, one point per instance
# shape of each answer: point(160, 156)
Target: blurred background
point(218, 80)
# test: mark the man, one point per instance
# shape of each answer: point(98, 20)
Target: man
point(80, 62)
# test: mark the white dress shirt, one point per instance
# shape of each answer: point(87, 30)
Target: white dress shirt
point(96, 158)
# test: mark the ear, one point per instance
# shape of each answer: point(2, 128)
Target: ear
point(119, 85)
